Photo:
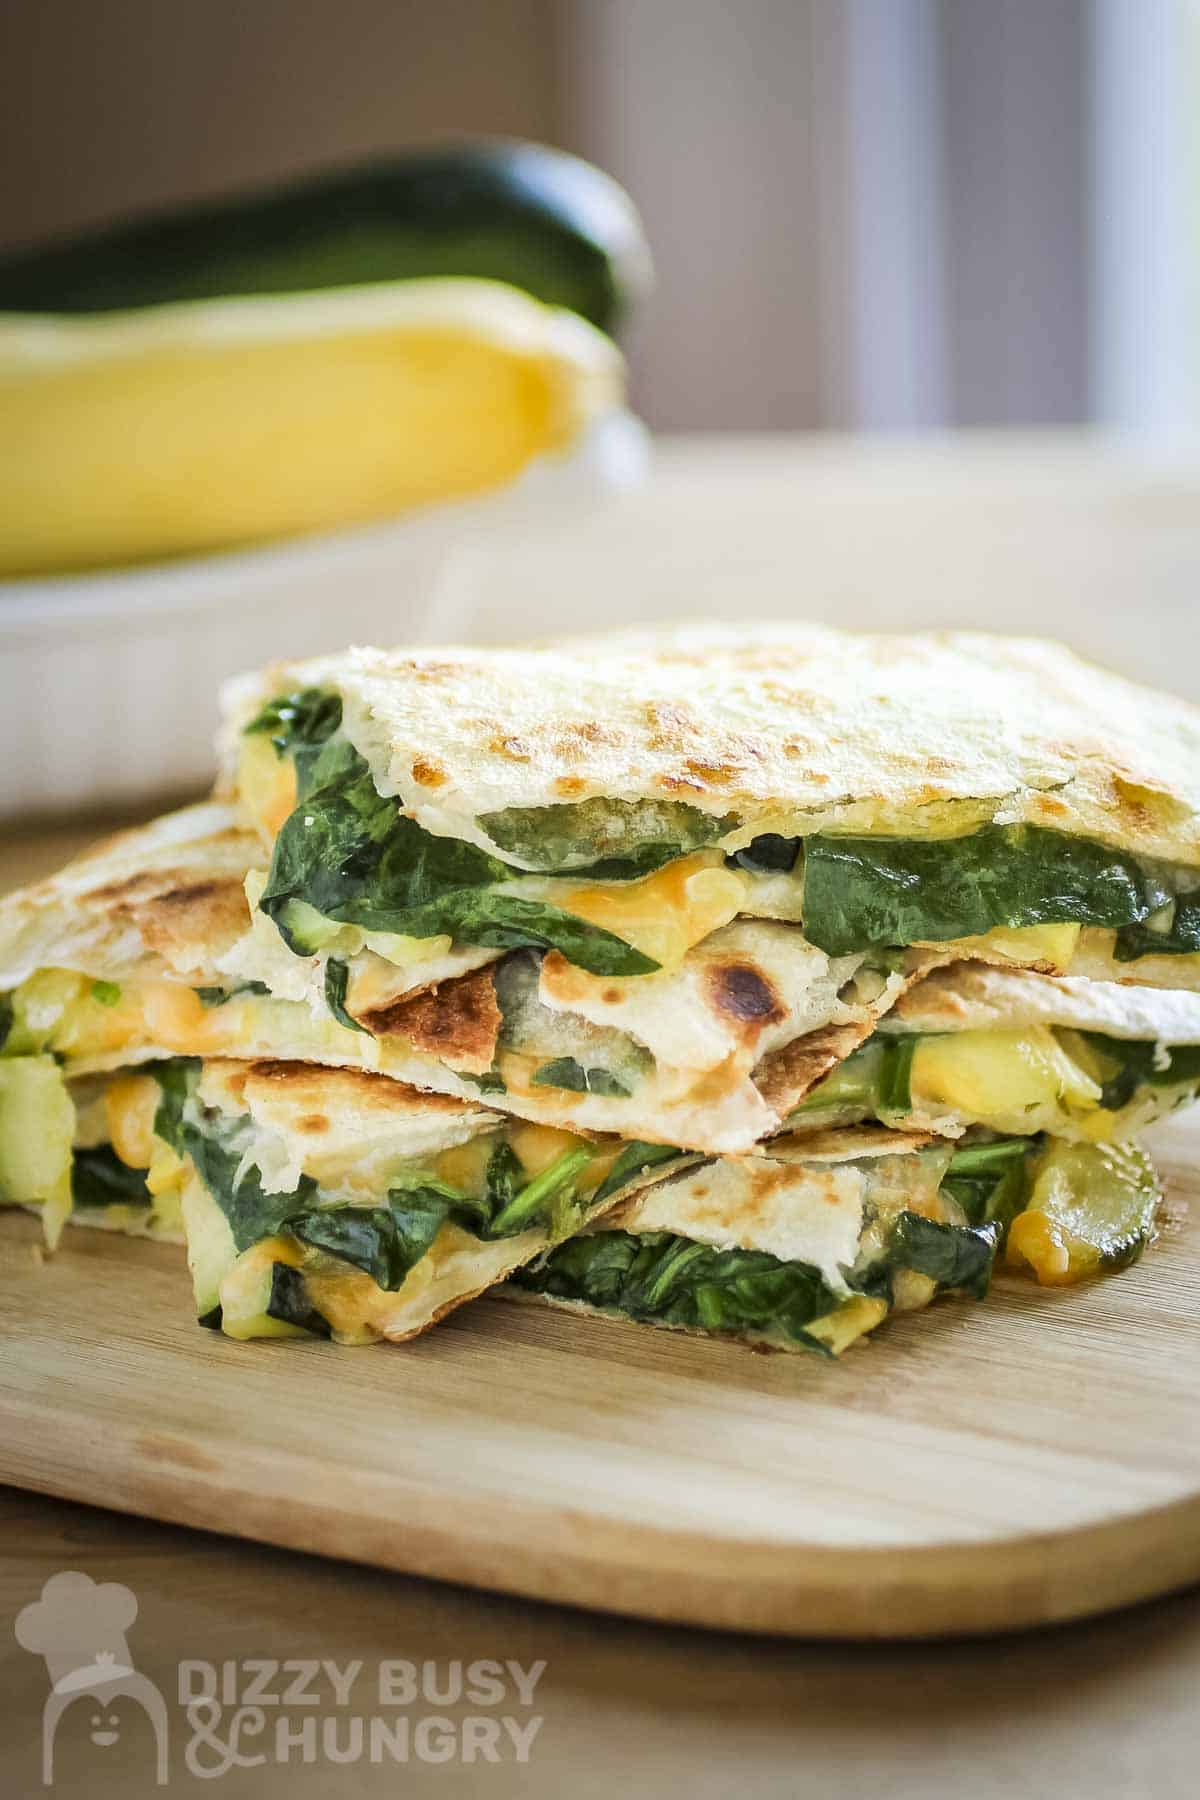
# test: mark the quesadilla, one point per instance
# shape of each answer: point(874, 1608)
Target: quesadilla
point(1015, 1051)
point(601, 954)
point(748, 933)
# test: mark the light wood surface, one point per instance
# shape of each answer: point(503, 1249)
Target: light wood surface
point(1098, 1711)
point(974, 1468)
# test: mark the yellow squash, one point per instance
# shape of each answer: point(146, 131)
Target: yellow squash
point(196, 427)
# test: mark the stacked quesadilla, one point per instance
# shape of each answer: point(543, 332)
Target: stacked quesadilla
point(752, 983)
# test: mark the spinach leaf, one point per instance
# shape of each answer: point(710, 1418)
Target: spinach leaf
point(337, 980)
point(989, 1181)
point(767, 854)
point(1139, 1064)
point(502, 1178)
point(676, 1280)
point(565, 1072)
point(106, 992)
point(1183, 938)
point(348, 852)
point(217, 996)
point(367, 1236)
point(954, 1256)
point(100, 1178)
point(299, 725)
point(859, 892)
point(544, 1193)
point(7, 1016)
point(604, 838)
point(635, 1160)
point(387, 1241)
point(289, 1302)
point(217, 1155)
point(894, 1076)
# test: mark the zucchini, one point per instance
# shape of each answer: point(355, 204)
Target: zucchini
point(518, 213)
point(1091, 1211)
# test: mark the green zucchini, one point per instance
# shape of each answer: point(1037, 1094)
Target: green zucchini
point(518, 213)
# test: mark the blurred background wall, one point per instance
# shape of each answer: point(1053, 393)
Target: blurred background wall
point(865, 213)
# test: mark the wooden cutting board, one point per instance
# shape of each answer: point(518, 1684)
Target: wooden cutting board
point(975, 1468)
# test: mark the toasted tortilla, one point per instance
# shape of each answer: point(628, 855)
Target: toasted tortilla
point(166, 898)
point(973, 996)
point(792, 728)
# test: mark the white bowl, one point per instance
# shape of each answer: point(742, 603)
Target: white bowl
point(108, 682)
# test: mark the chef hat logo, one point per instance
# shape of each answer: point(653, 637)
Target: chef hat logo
point(79, 1627)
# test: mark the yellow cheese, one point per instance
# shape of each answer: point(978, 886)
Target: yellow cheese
point(1026, 944)
point(537, 1146)
point(246, 1291)
point(464, 1166)
point(266, 783)
point(88, 1026)
point(130, 1103)
point(664, 914)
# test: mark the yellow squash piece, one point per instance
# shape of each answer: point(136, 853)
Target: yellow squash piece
point(191, 428)
point(37, 1125)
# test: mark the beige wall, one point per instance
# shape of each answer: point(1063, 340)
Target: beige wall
point(109, 104)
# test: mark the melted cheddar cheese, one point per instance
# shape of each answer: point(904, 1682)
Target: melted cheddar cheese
point(664, 914)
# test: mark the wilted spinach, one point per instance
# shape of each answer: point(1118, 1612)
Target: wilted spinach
point(337, 980)
point(989, 1180)
point(349, 852)
point(100, 1178)
point(675, 1280)
point(299, 725)
point(214, 1147)
point(1136, 1063)
point(565, 1072)
point(604, 838)
point(860, 892)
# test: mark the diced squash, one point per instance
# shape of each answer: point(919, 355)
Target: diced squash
point(1091, 1209)
point(1010, 1080)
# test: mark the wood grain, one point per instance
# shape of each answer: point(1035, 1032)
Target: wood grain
point(975, 1468)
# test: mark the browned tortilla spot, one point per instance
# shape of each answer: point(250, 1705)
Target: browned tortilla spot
point(458, 1022)
point(738, 991)
point(317, 1092)
point(209, 913)
point(791, 1072)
